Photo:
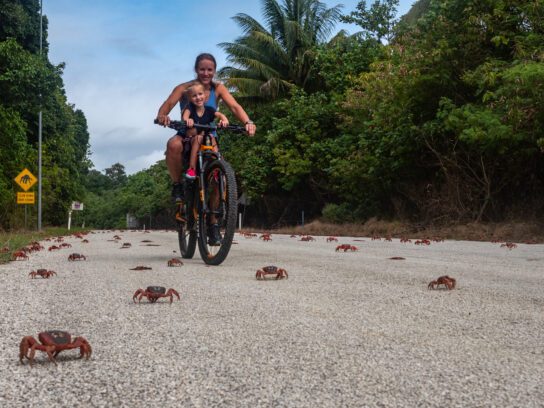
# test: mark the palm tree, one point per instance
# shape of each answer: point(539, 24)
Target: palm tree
point(267, 62)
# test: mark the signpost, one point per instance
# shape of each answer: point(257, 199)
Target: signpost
point(25, 180)
point(76, 206)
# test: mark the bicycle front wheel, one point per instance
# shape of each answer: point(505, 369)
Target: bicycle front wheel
point(220, 196)
point(187, 231)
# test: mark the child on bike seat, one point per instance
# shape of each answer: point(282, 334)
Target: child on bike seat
point(197, 113)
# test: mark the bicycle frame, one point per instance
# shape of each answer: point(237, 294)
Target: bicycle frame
point(215, 203)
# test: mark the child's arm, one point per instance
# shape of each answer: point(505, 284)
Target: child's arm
point(223, 121)
point(186, 117)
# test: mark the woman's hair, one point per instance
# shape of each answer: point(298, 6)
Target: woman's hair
point(193, 86)
point(205, 56)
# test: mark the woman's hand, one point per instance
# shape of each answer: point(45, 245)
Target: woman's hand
point(251, 128)
point(190, 123)
point(163, 120)
point(223, 123)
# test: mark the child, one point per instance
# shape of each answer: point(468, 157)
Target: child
point(197, 113)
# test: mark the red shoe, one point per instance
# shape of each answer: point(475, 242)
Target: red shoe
point(191, 174)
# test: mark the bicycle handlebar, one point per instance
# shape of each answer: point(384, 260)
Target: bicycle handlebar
point(181, 125)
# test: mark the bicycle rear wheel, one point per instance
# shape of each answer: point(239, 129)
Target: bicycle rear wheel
point(220, 195)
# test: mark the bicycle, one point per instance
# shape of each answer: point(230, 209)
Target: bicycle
point(212, 196)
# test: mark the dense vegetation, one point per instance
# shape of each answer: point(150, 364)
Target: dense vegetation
point(30, 84)
point(436, 117)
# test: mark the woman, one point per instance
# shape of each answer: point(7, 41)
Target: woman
point(205, 68)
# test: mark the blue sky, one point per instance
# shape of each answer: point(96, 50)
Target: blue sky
point(124, 57)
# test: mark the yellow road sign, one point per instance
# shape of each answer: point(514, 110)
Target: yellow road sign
point(25, 198)
point(25, 179)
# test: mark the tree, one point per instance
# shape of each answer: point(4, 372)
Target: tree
point(116, 173)
point(378, 21)
point(20, 20)
point(268, 61)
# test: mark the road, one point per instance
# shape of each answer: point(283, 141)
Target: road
point(346, 329)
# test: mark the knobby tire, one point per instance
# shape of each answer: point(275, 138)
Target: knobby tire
point(215, 255)
point(187, 234)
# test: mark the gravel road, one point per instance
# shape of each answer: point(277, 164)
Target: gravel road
point(352, 329)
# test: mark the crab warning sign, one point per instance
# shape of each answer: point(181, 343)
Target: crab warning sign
point(25, 179)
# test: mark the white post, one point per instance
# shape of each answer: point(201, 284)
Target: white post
point(239, 221)
point(69, 219)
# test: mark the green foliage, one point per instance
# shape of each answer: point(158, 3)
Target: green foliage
point(20, 20)
point(268, 61)
point(14, 154)
point(338, 213)
point(116, 174)
point(378, 21)
point(143, 194)
point(340, 61)
point(301, 140)
point(30, 84)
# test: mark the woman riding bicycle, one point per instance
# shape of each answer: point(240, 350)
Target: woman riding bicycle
point(205, 68)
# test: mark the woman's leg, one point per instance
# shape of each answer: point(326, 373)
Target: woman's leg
point(174, 157)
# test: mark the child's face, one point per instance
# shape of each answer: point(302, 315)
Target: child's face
point(197, 96)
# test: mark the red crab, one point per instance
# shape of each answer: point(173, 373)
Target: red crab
point(271, 270)
point(19, 255)
point(175, 262)
point(116, 237)
point(422, 242)
point(332, 239)
point(405, 240)
point(65, 245)
point(126, 245)
point(153, 293)
point(509, 245)
point(265, 237)
point(307, 238)
point(53, 248)
point(52, 342)
point(44, 273)
point(35, 246)
point(76, 257)
point(140, 268)
point(346, 247)
point(445, 280)
point(84, 241)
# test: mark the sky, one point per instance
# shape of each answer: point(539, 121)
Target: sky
point(124, 57)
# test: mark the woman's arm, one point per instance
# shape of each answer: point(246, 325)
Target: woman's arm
point(224, 94)
point(170, 102)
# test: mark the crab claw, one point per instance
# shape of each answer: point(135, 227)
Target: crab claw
point(139, 291)
point(26, 344)
point(172, 292)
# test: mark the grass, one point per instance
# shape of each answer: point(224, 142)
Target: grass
point(17, 239)
point(528, 232)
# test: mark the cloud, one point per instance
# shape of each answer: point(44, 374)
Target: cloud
point(123, 59)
